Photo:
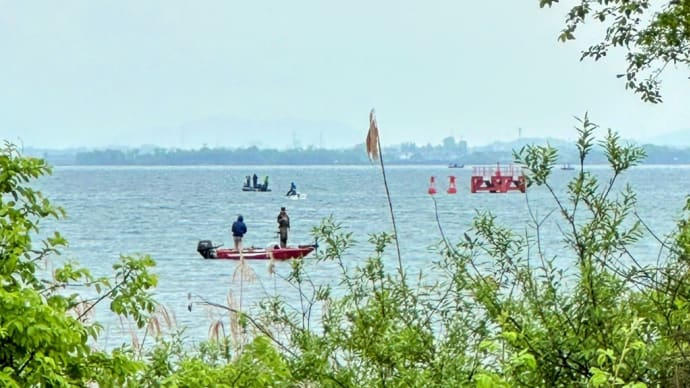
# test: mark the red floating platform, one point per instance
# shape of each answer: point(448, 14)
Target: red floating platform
point(498, 179)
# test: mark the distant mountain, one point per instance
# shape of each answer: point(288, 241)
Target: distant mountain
point(280, 133)
point(675, 139)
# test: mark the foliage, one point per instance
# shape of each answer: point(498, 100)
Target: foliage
point(651, 35)
point(44, 331)
point(380, 333)
point(259, 365)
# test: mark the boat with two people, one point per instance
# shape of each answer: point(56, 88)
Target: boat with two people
point(456, 165)
point(251, 184)
point(567, 166)
point(208, 251)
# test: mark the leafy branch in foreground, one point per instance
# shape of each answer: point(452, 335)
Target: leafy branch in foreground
point(44, 334)
point(652, 35)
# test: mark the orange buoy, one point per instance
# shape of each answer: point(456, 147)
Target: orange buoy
point(432, 184)
point(451, 185)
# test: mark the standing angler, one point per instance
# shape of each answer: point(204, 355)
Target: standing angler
point(238, 230)
point(283, 226)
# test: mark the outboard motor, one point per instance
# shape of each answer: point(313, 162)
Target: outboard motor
point(206, 249)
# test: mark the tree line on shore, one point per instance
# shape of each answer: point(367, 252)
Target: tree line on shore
point(404, 154)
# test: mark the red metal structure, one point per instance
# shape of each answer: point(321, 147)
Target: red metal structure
point(497, 179)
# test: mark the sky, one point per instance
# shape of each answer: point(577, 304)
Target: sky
point(82, 73)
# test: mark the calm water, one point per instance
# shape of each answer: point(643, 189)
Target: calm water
point(164, 211)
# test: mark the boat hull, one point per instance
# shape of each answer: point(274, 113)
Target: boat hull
point(275, 253)
point(258, 189)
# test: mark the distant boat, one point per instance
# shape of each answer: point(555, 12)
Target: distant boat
point(456, 165)
point(567, 166)
point(248, 186)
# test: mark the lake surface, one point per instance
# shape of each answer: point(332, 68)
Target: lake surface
point(165, 211)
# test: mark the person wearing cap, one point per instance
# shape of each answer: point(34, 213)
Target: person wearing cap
point(283, 226)
point(238, 230)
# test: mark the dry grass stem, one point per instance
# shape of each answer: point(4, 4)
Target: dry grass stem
point(154, 326)
point(373, 137)
point(374, 152)
point(83, 311)
point(234, 319)
point(168, 318)
point(136, 344)
point(216, 331)
point(160, 315)
point(325, 309)
point(271, 268)
point(244, 272)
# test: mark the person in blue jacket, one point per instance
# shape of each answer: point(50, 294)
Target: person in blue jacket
point(293, 189)
point(238, 230)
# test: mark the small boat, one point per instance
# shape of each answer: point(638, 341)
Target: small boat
point(208, 251)
point(258, 188)
point(567, 166)
point(456, 165)
point(252, 184)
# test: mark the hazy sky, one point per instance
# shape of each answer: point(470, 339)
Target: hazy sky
point(283, 73)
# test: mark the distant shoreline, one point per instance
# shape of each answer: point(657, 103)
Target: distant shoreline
point(406, 154)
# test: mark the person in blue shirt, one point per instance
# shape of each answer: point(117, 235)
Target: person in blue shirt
point(293, 189)
point(238, 230)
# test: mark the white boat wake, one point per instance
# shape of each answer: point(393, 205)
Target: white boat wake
point(297, 196)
